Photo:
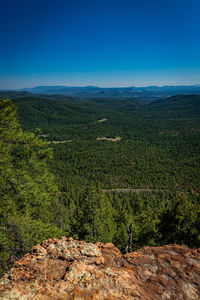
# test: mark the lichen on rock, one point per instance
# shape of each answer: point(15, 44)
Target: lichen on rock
point(71, 269)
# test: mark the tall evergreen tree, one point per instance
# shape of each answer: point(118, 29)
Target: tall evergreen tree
point(96, 220)
point(29, 197)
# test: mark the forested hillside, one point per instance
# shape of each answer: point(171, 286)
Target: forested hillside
point(158, 144)
point(52, 179)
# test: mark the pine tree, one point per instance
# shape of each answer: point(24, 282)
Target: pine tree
point(96, 221)
point(29, 196)
point(180, 221)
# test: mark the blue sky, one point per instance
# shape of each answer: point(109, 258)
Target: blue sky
point(99, 42)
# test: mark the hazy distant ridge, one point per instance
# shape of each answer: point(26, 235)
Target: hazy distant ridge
point(115, 92)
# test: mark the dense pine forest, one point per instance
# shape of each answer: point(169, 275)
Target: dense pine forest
point(96, 168)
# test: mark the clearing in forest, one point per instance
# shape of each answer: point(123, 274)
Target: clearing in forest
point(116, 139)
point(59, 142)
point(102, 120)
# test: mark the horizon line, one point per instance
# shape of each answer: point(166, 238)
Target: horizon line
point(103, 87)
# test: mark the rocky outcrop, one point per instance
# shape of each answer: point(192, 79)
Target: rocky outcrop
point(70, 269)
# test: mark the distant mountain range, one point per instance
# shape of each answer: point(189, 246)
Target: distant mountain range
point(149, 92)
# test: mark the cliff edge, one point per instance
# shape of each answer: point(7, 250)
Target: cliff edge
point(71, 269)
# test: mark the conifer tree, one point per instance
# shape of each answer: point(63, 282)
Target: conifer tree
point(96, 221)
point(29, 196)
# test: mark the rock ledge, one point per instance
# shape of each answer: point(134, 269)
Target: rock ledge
point(70, 269)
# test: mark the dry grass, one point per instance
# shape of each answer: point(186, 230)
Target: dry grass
point(102, 120)
point(117, 139)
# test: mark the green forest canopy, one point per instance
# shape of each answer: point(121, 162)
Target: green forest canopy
point(49, 190)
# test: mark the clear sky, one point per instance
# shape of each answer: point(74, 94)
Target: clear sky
point(99, 42)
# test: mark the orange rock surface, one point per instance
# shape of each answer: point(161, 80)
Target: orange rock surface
point(70, 269)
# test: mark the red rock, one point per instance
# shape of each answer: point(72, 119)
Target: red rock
point(69, 269)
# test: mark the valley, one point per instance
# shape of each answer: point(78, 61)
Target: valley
point(112, 163)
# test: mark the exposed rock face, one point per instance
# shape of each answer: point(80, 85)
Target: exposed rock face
point(69, 269)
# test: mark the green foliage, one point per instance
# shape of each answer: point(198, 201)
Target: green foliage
point(29, 196)
point(18, 234)
point(122, 220)
point(159, 150)
point(92, 216)
point(157, 219)
point(180, 221)
point(159, 146)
